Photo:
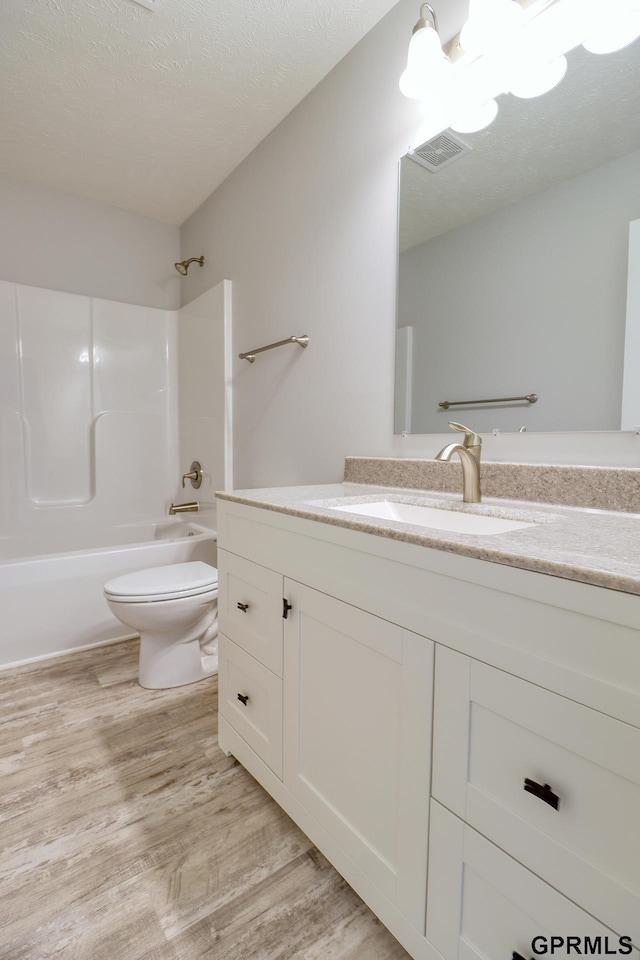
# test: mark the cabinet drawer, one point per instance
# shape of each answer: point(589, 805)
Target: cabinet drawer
point(250, 608)
point(492, 732)
point(483, 904)
point(258, 718)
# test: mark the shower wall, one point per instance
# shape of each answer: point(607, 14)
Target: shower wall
point(205, 362)
point(88, 400)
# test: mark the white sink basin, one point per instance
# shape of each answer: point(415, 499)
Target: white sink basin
point(434, 517)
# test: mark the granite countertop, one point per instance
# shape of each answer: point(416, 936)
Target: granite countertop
point(595, 546)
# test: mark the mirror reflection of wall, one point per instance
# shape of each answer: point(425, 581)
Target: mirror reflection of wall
point(513, 261)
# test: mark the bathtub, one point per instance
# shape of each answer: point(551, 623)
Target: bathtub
point(51, 602)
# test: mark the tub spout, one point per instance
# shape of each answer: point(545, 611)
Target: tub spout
point(192, 507)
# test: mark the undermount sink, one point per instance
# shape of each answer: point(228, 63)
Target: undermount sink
point(437, 518)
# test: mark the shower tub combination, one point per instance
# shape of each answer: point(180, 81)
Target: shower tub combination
point(53, 602)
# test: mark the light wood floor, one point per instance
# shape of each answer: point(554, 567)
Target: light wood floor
point(126, 834)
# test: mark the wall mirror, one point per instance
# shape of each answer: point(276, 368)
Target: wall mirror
point(513, 263)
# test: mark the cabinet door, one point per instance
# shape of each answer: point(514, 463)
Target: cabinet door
point(357, 738)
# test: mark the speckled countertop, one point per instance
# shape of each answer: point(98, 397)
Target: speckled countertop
point(601, 547)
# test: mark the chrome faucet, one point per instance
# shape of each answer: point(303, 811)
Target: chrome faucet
point(192, 507)
point(469, 453)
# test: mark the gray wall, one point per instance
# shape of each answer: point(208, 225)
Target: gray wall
point(306, 230)
point(52, 239)
point(541, 307)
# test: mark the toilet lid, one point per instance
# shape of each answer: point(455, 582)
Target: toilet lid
point(172, 582)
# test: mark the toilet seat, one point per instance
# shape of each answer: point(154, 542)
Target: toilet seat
point(176, 581)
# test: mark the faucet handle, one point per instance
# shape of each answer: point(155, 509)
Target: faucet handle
point(471, 439)
point(194, 475)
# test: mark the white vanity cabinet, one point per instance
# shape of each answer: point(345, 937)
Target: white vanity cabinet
point(534, 681)
point(358, 680)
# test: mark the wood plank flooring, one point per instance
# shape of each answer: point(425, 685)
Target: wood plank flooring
point(126, 834)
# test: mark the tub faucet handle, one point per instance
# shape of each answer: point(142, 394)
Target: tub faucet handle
point(194, 475)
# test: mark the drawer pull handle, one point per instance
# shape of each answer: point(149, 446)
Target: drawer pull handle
point(243, 698)
point(243, 606)
point(542, 792)
point(286, 606)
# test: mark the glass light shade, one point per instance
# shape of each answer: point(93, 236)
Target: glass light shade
point(476, 118)
point(435, 117)
point(560, 28)
point(540, 79)
point(426, 64)
point(490, 24)
point(615, 30)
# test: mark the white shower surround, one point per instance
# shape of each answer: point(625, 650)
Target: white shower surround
point(88, 411)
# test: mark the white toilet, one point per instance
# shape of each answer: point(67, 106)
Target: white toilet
point(175, 611)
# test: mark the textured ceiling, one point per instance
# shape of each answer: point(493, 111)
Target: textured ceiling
point(150, 111)
point(590, 118)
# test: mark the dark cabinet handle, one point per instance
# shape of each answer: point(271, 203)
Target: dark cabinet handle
point(243, 606)
point(542, 792)
point(243, 698)
point(285, 608)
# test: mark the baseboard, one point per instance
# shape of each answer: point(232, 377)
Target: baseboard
point(66, 653)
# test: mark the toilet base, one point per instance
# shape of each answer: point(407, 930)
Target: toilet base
point(163, 666)
point(210, 663)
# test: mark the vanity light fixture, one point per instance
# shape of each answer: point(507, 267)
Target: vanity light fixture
point(427, 64)
point(506, 46)
point(477, 117)
point(491, 24)
point(609, 35)
point(540, 79)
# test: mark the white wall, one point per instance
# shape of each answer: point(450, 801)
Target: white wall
point(306, 230)
point(55, 240)
point(542, 308)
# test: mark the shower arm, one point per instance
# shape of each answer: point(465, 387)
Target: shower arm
point(183, 265)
